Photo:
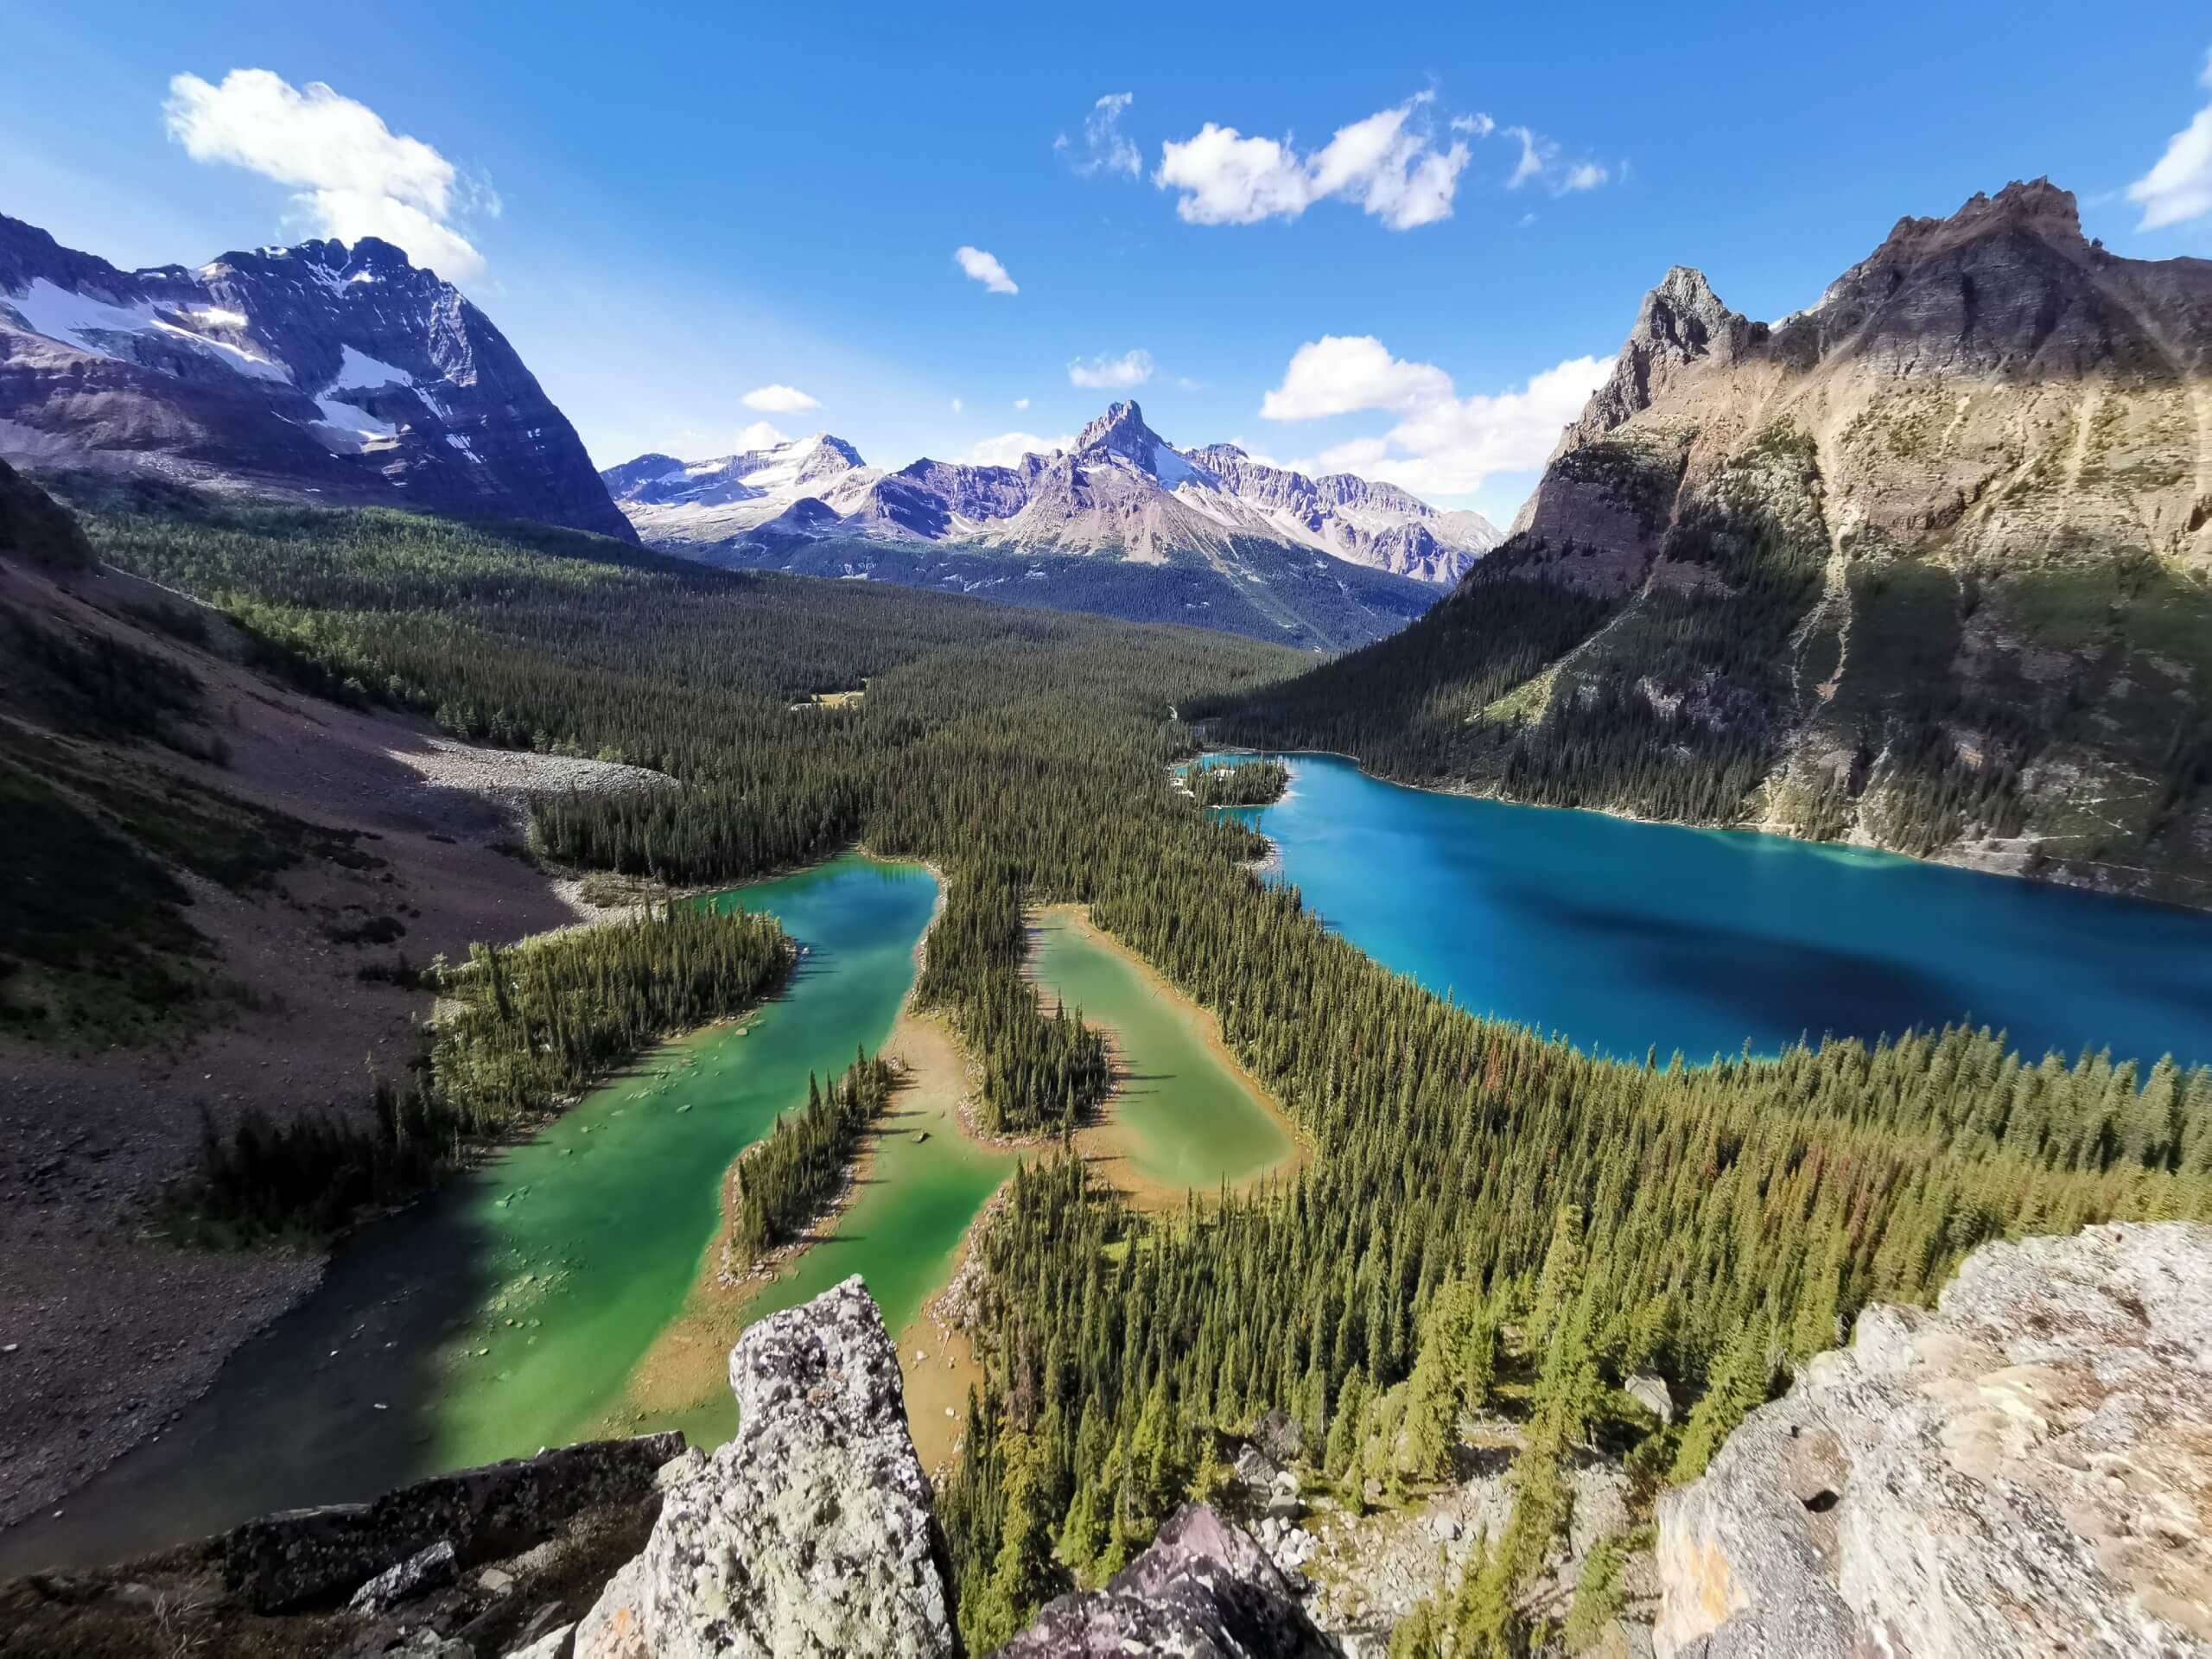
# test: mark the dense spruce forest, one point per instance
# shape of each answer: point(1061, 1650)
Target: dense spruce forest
point(1488, 1215)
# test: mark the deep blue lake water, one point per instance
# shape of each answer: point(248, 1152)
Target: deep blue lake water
point(1623, 936)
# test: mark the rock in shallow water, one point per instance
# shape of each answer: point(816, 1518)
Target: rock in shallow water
point(2027, 1471)
point(811, 1532)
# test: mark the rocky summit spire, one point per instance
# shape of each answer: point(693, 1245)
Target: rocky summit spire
point(1680, 322)
point(1121, 430)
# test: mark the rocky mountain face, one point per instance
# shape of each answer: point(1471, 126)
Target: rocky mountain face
point(1121, 489)
point(343, 373)
point(1927, 566)
point(2023, 1472)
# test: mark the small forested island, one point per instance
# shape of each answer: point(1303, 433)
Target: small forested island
point(1238, 783)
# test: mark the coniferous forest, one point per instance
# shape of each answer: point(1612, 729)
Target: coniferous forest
point(784, 1181)
point(1482, 1204)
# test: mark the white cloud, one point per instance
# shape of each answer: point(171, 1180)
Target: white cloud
point(1022, 403)
point(957, 405)
point(2179, 187)
point(1111, 373)
point(779, 400)
point(1008, 448)
point(1540, 162)
point(1105, 148)
point(759, 435)
point(355, 177)
point(1476, 125)
point(1340, 373)
point(1442, 443)
point(1387, 163)
point(985, 269)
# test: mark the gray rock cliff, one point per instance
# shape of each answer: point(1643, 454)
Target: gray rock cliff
point(2026, 1471)
point(811, 1532)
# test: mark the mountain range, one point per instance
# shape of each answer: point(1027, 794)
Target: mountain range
point(1927, 566)
point(1121, 489)
point(343, 373)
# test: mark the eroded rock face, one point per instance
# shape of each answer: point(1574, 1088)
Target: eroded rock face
point(808, 1534)
point(2026, 1471)
point(301, 1557)
point(1203, 1588)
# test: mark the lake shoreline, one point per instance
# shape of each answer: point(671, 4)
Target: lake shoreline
point(2012, 863)
point(1106, 1143)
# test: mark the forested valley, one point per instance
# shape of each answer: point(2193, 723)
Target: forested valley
point(1488, 1215)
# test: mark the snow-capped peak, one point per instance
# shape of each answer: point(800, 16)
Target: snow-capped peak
point(1122, 486)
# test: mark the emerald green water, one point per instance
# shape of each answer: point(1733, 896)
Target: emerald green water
point(900, 1234)
point(508, 1314)
point(1187, 1119)
point(513, 1312)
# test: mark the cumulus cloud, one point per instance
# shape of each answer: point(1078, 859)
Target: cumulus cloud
point(957, 405)
point(1542, 163)
point(1022, 403)
point(1441, 444)
point(985, 269)
point(1008, 448)
point(354, 176)
point(779, 400)
point(761, 435)
point(2179, 187)
point(1389, 163)
point(1339, 374)
point(1103, 147)
point(1111, 373)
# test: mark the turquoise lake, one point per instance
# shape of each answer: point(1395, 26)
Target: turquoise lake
point(1623, 937)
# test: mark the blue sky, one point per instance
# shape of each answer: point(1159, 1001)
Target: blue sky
point(686, 205)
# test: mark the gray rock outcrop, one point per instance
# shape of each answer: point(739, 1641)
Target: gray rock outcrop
point(2027, 1471)
point(811, 1532)
point(305, 1556)
point(1203, 1588)
point(428, 1568)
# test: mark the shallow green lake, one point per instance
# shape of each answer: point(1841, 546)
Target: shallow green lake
point(508, 1314)
point(1186, 1119)
point(1625, 936)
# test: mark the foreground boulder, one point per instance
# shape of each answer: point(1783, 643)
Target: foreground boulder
point(304, 1557)
point(1203, 1588)
point(2027, 1471)
point(808, 1534)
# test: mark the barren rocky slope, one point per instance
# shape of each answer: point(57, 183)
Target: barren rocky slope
point(213, 880)
point(1928, 566)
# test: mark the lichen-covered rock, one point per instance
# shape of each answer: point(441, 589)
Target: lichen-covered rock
point(1204, 1589)
point(811, 1532)
point(429, 1568)
point(2027, 1471)
point(302, 1556)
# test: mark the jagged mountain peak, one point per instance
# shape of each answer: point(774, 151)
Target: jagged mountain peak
point(1121, 425)
point(346, 373)
point(1120, 489)
point(2034, 206)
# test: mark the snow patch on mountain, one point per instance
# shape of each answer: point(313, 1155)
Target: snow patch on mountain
point(1120, 489)
point(284, 367)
